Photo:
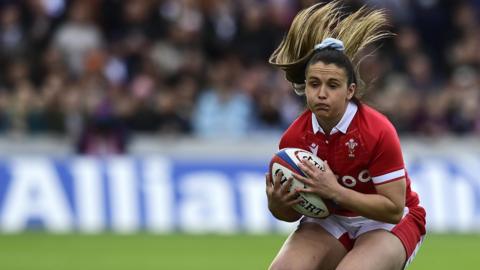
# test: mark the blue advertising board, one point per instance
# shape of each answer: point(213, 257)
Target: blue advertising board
point(162, 195)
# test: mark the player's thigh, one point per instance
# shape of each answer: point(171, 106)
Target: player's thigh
point(375, 250)
point(310, 247)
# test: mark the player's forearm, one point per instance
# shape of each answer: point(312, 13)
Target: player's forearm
point(373, 206)
point(285, 214)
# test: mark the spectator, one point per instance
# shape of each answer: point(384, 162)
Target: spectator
point(222, 110)
point(77, 36)
point(200, 67)
point(13, 39)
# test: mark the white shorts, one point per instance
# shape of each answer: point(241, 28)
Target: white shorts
point(410, 230)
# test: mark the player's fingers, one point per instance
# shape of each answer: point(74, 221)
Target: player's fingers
point(302, 179)
point(326, 167)
point(304, 190)
point(306, 167)
point(268, 180)
point(277, 180)
point(286, 186)
point(268, 183)
point(292, 195)
point(294, 202)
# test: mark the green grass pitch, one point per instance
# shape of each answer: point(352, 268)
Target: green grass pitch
point(40, 251)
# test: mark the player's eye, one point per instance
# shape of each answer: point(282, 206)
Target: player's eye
point(313, 84)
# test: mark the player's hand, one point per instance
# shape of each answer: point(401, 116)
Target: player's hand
point(278, 194)
point(321, 182)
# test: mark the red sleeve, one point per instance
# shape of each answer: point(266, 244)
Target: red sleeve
point(387, 164)
point(283, 143)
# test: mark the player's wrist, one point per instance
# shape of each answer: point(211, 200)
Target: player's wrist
point(338, 195)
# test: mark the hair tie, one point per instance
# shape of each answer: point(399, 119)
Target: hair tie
point(330, 43)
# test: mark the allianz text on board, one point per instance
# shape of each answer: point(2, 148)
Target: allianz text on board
point(164, 195)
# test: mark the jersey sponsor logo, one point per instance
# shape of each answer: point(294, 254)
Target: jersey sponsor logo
point(350, 181)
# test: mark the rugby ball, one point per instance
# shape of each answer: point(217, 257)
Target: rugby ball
point(286, 161)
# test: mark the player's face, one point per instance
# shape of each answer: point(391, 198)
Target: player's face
point(327, 92)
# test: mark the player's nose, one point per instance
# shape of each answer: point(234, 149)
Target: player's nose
point(322, 92)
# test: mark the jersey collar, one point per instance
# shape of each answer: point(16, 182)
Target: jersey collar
point(344, 123)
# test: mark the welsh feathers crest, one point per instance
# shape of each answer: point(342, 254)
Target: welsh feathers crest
point(351, 144)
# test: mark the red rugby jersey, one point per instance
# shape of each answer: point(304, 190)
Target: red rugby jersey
point(363, 149)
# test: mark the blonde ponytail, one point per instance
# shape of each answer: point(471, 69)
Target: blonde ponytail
point(320, 21)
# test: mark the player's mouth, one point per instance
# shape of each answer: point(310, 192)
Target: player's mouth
point(322, 107)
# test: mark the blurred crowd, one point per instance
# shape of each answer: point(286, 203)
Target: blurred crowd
point(102, 70)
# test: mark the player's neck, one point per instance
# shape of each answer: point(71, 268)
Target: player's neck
point(328, 124)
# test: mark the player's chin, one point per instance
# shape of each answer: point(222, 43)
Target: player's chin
point(322, 113)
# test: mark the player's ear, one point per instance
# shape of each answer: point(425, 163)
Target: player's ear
point(351, 90)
